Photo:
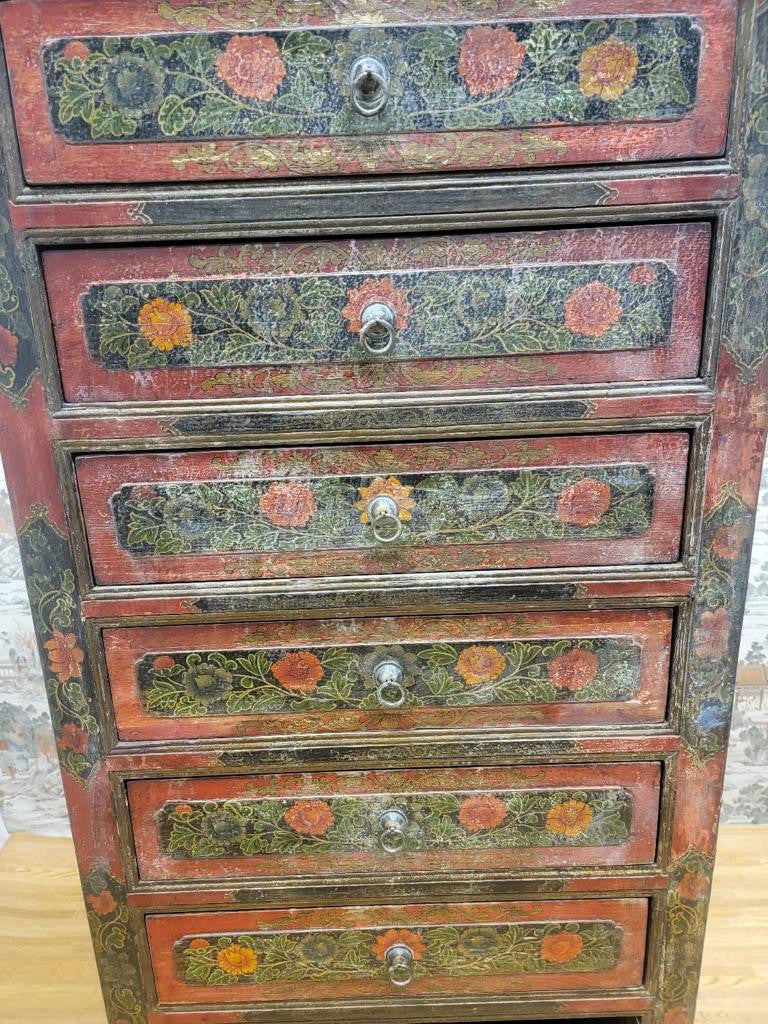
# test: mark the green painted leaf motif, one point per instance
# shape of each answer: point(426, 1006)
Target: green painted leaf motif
point(435, 675)
point(300, 85)
point(578, 946)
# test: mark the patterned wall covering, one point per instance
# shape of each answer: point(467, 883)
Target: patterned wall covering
point(30, 791)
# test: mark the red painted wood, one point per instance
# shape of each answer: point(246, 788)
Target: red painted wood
point(100, 476)
point(26, 24)
point(650, 630)
point(165, 930)
point(641, 781)
point(70, 273)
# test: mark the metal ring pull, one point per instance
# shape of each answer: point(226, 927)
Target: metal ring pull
point(393, 824)
point(400, 965)
point(377, 332)
point(388, 676)
point(384, 517)
point(370, 86)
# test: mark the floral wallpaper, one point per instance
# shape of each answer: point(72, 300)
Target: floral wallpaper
point(31, 798)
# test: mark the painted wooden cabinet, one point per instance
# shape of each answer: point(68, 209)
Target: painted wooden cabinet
point(384, 388)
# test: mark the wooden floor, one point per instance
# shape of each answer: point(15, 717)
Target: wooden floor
point(48, 975)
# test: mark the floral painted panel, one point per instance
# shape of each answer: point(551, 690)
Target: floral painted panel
point(332, 512)
point(441, 78)
point(434, 675)
point(516, 949)
point(435, 821)
point(440, 314)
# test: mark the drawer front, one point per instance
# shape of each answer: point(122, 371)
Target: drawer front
point(338, 952)
point(419, 87)
point(393, 821)
point(336, 676)
point(366, 509)
point(466, 312)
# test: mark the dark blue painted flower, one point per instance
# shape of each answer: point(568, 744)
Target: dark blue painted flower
point(133, 84)
point(713, 714)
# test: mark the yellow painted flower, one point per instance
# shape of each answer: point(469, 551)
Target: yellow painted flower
point(570, 818)
point(392, 487)
point(236, 960)
point(166, 325)
point(608, 69)
point(480, 664)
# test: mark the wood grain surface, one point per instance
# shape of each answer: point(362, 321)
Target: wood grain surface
point(42, 922)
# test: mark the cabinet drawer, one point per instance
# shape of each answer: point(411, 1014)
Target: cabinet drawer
point(336, 676)
point(455, 819)
point(472, 312)
point(254, 513)
point(337, 952)
point(280, 91)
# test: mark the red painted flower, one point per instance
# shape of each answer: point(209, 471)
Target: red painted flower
point(692, 887)
point(252, 67)
point(298, 670)
point(376, 289)
point(310, 817)
point(729, 541)
point(288, 504)
point(72, 737)
point(490, 59)
point(76, 48)
point(163, 661)
point(9, 347)
point(103, 903)
point(584, 503)
point(199, 944)
point(644, 274)
point(573, 670)
point(711, 635)
point(561, 947)
point(608, 69)
point(593, 309)
point(481, 813)
point(64, 656)
point(398, 937)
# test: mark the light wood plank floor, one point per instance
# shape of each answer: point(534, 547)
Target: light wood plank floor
point(48, 975)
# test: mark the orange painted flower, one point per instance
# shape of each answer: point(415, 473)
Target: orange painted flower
point(75, 48)
point(570, 818)
point(573, 670)
point(608, 69)
point(392, 487)
point(199, 944)
point(561, 947)
point(166, 325)
point(480, 664)
point(65, 658)
point(310, 817)
point(298, 670)
point(103, 903)
point(480, 813)
point(163, 661)
point(72, 737)
point(593, 309)
point(644, 274)
point(584, 503)
point(183, 809)
point(9, 347)
point(710, 638)
point(288, 504)
point(252, 67)
point(729, 541)
point(398, 937)
point(236, 959)
point(490, 59)
point(692, 887)
point(376, 289)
